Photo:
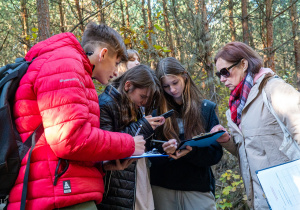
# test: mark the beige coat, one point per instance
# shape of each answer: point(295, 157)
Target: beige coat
point(257, 142)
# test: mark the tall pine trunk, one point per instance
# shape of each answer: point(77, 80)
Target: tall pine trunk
point(246, 36)
point(231, 20)
point(129, 45)
point(269, 24)
point(208, 65)
point(295, 21)
point(123, 19)
point(79, 15)
point(101, 17)
point(168, 33)
point(150, 38)
point(177, 38)
point(61, 15)
point(24, 15)
point(43, 19)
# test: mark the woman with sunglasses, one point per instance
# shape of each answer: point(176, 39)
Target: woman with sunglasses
point(186, 181)
point(256, 137)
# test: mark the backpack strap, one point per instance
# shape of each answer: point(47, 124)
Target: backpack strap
point(289, 146)
point(32, 139)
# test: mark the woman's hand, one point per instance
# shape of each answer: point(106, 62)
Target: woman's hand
point(116, 165)
point(181, 153)
point(225, 137)
point(155, 121)
point(170, 146)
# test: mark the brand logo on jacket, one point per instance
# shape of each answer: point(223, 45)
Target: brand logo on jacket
point(67, 186)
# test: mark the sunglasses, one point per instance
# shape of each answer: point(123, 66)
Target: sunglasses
point(225, 71)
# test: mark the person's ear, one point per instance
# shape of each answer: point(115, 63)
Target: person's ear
point(244, 65)
point(127, 86)
point(102, 54)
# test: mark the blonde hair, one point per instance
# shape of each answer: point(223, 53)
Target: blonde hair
point(122, 67)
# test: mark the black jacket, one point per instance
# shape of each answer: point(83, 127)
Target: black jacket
point(191, 172)
point(119, 185)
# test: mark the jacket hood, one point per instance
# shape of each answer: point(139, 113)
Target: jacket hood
point(56, 42)
point(262, 72)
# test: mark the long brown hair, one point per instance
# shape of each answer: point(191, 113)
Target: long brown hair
point(192, 100)
point(141, 77)
point(236, 51)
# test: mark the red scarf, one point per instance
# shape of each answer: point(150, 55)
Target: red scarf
point(234, 102)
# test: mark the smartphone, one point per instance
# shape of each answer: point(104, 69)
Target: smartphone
point(168, 114)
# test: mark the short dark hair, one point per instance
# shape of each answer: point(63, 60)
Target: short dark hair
point(236, 51)
point(102, 35)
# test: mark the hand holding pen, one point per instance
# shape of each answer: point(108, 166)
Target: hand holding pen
point(139, 142)
point(168, 146)
point(138, 130)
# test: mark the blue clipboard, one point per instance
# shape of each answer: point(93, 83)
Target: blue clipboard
point(202, 141)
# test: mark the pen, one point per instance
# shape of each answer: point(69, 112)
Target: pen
point(138, 130)
point(158, 141)
point(143, 110)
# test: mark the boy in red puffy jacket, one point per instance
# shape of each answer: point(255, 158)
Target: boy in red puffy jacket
point(58, 91)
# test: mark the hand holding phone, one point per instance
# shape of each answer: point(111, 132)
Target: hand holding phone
point(168, 114)
point(155, 121)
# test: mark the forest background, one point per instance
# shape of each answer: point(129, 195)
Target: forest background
point(190, 30)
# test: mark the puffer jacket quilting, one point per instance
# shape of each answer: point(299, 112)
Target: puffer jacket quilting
point(58, 91)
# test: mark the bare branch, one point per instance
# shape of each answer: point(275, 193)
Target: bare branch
point(285, 9)
point(4, 41)
point(93, 14)
point(273, 51)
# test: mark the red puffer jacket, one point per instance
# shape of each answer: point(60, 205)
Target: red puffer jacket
point(58, 91)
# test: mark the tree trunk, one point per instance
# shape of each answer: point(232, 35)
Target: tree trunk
point(43, 19)
point(269, 24)
point(100, 15)
point(168, 33)
point(123, 19)
point(263, 34)
point(150, 38)
point(79, 15)
point(61, 15)
point(177, 38)
point(128, 24)
point(25, 26)
point(196, 4)
point(150, 26)
point(246, 38)
point(208, 51)
point(145, 46)
point(294, 19)
point(231, 21)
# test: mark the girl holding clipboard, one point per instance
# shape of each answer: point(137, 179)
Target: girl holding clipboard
point(120, 108)
point(186, 181)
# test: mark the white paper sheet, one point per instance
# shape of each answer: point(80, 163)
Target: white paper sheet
point(281, 185)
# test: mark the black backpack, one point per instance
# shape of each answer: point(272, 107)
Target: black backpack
point(12, 150)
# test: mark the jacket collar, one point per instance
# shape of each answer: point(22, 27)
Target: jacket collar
point(112, 91)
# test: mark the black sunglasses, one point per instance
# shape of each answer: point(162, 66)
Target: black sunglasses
point(225, 71)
